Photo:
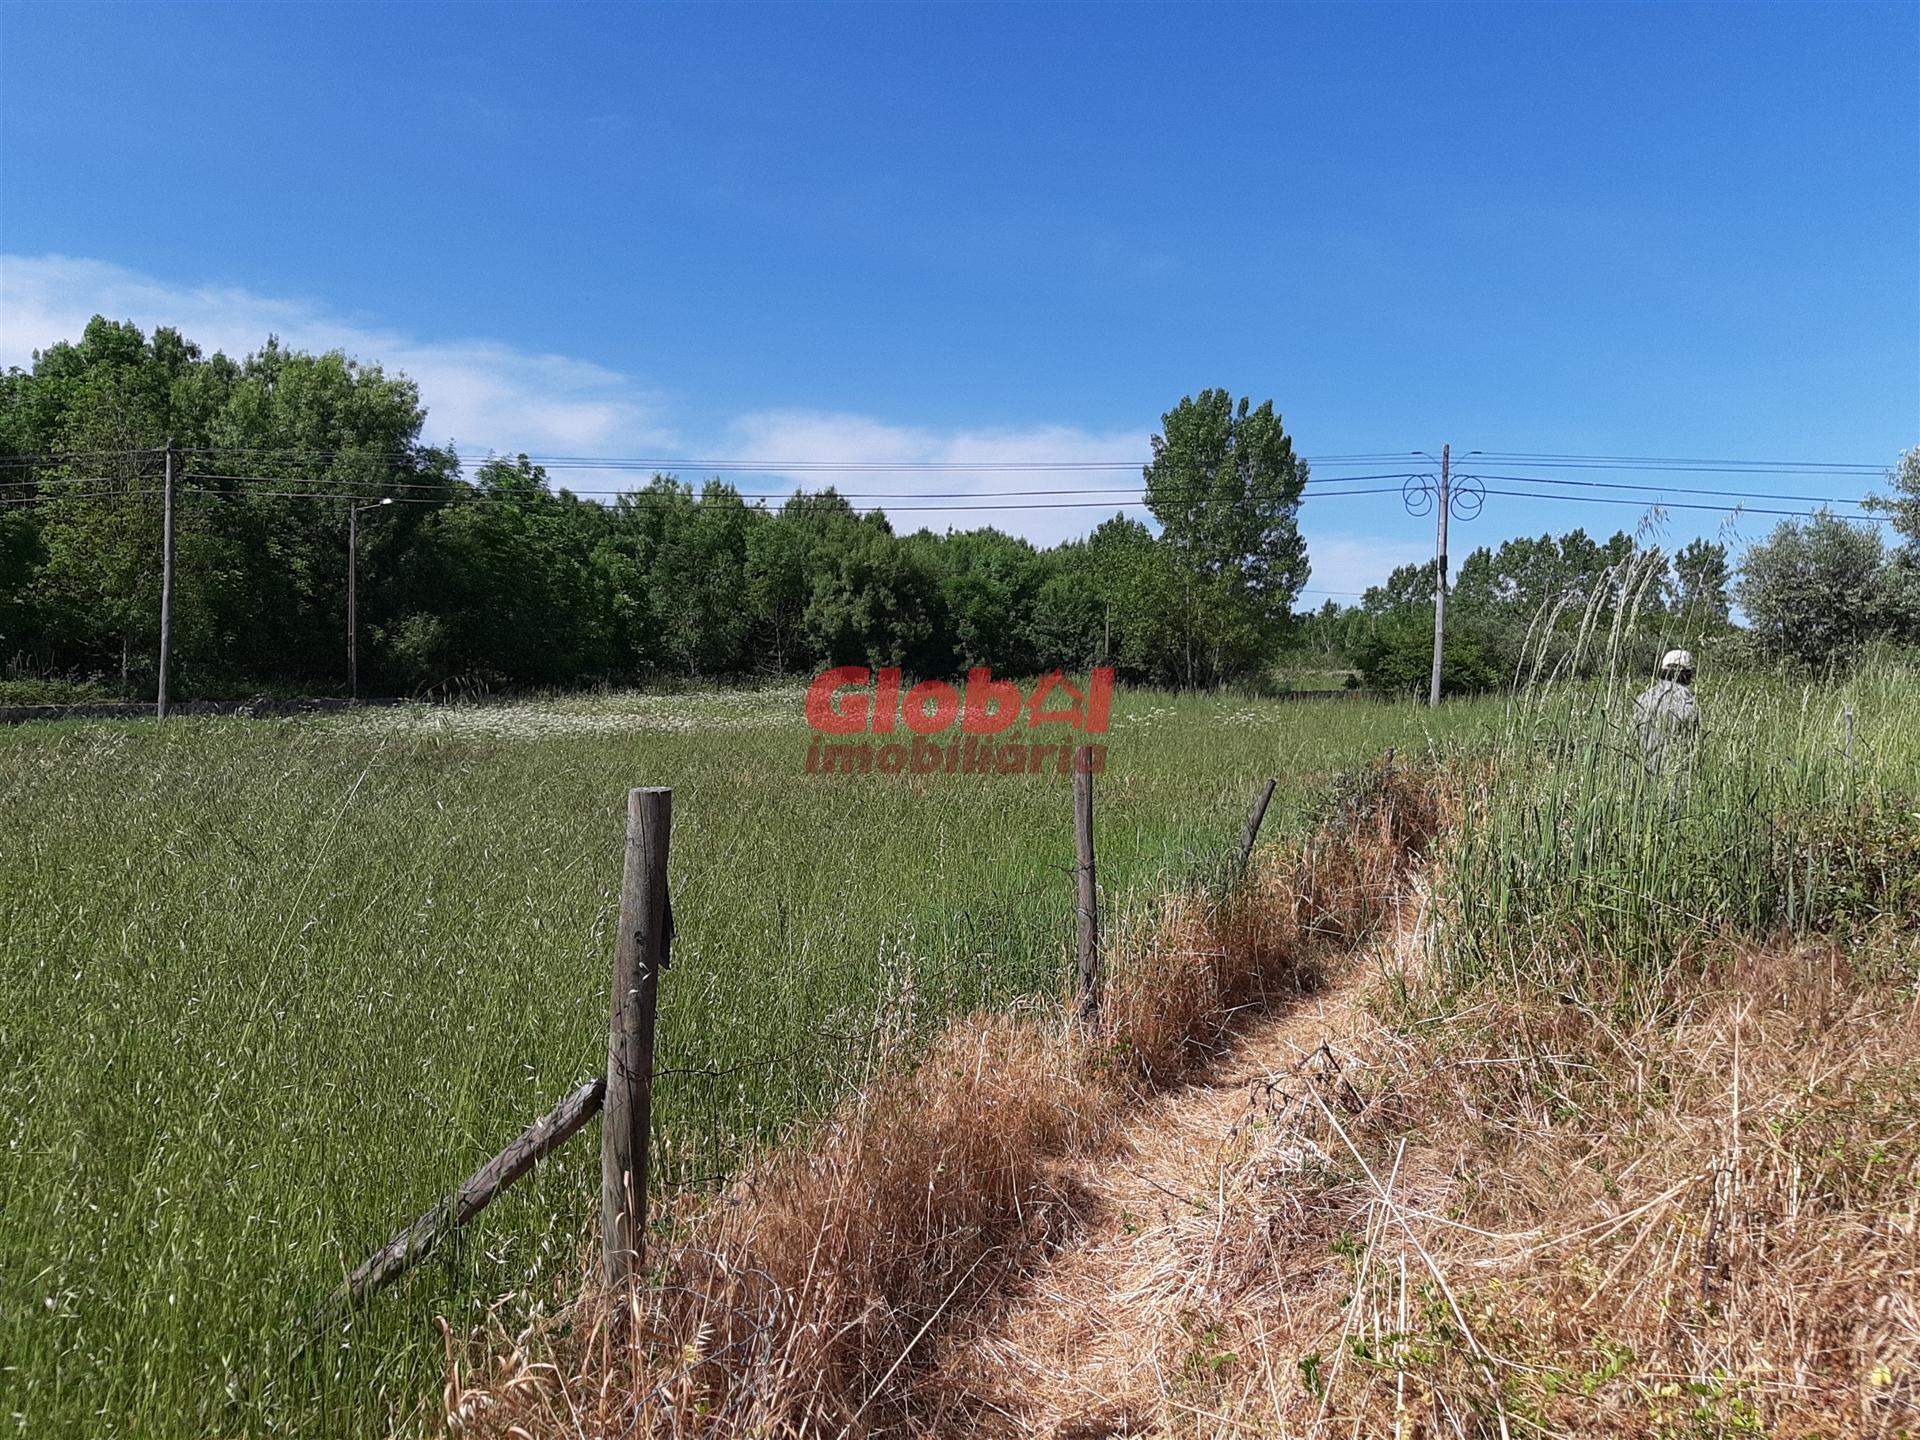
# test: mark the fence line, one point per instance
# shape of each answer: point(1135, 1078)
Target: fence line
point(623, 1097)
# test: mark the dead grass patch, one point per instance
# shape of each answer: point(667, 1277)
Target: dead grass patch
point(1530, 1221)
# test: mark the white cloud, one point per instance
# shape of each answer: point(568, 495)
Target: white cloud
point(487, 394)
point(970, 481)
point(1345, 563)
point(481, 393)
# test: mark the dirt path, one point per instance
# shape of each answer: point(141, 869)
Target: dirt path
point(1083, 1352)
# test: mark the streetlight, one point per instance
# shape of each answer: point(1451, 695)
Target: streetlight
point(353, 604)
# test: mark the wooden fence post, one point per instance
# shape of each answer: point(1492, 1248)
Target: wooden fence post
point(1089, 906)
point(640, 953)
point(1254, 821)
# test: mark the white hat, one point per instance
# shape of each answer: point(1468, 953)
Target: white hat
point(1677, 660)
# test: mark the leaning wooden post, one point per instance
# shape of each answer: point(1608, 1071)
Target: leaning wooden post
point(418, 1240)
point(1089, 969)
point(640, 953)
point(1254, 821)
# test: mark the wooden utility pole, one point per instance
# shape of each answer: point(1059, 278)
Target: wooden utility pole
point(353, 602)
point(353, 592)
point(1089, 892)
point(1440, 573)
point(640, 953)
point(1252, 832)
point(166, 585)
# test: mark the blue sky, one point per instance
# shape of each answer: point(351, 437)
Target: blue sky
point(1018, 232)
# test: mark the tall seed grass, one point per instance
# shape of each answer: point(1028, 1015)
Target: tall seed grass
point(268, 989)
point(1577, 870)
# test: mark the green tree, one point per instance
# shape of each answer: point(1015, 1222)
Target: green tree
point(273, 450)
point(1903, 569)
point(1137, 581)
point(1814, 591)
point(1408, 588)
point(502, 589)
point(1068, 625)
point(779, 580)
point(1700, 570)
point(21, 556)
point(1225, 486)
point(1903, 505)
point(698, 575)
point(988, 582)
point(1395, 654)
point(873, 605)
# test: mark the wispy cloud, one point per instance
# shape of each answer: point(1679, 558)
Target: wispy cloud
point(490, 395)
point(481, 393)
point(970, 482)
point(1345, 563)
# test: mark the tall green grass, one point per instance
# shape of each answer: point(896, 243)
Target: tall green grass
point(269, 988)
point(1575, 870)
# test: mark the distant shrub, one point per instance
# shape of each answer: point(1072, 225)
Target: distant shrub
point(1397, 657)
point(56, 691)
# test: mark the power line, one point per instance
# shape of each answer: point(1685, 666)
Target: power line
point(739, 501)
point(79, 495)
point(1681, 505)
point(882, 467)
point(845, 494)
point(1670, 489)
point(54, 457)
point(595, 462)
point(1753, 467)
point(456, 490)
point(1319, 485)
point(1545, 459)
point(453, 489)
point(681, 499)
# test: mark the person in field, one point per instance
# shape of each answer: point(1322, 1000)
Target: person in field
point(1666, 718)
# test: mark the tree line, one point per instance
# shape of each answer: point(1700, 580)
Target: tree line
point(1814, 593)
point(502, 578)
point(1528, 601)
point(494, 576)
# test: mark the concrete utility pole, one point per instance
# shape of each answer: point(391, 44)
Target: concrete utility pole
point(1440, 573)
point(166, 586)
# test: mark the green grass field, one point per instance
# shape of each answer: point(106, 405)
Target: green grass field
point(269, 988)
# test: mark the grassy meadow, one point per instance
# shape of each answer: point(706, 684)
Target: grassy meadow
point(1621, 1142)
point(269, 988)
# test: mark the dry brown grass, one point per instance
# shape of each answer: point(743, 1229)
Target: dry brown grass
point(1216, 954)
point(1518, 1219)
point(1497, 1213)
point(808, 1297)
